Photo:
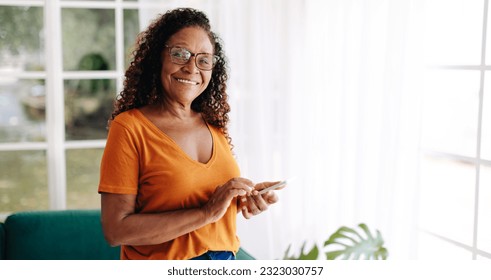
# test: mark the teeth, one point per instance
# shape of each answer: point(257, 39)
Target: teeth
point(187, 82)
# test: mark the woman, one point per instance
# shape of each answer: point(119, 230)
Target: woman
point(170, 187)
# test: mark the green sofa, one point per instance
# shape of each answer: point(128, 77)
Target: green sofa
point(59, 235)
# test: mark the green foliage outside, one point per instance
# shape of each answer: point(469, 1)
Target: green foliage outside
point(84, 31)
point(20, 29)
point(88, 31)
point(24, 180)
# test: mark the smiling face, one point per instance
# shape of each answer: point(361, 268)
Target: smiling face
point(183, 83)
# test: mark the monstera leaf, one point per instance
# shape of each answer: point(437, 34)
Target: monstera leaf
point(311, 255)
point(354, 245)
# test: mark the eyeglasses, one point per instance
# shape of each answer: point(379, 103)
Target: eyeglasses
point(181, 56)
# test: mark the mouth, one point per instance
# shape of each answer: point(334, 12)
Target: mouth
point(185, 81)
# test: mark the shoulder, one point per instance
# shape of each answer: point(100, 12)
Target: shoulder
point(128, 119)
point(128, 124)
point(130, 115)
point(125, 129)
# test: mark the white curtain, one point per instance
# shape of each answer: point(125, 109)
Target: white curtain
point(326, 92)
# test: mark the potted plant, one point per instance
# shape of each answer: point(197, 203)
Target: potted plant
point(346, 243)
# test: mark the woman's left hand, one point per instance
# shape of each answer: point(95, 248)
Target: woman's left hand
point(254, 204)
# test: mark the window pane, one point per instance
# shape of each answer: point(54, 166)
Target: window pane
point(131, 30)
point(22, 111)
point(484, 225)
point(434, 248)
point(447, 198)
point(453, 31)
point(484, 258)
point(23, 181)
point(21, 38)
point(88, 33)
point(88, 105)
point(450, 107)
point(486, 119)
point(83, 178)
point(488, 33)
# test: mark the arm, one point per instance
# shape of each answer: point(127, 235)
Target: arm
point(122, 226)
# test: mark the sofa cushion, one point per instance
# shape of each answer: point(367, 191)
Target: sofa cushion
point(57, 235)
point(243, 255)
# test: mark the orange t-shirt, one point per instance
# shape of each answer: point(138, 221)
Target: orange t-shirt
point(140, 159)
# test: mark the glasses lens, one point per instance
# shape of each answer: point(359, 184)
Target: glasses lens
point(206, 61)
point(179, 55)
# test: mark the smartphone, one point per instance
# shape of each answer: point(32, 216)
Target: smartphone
point(274, 187)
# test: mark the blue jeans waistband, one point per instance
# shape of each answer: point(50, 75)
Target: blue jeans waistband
point(216, 255)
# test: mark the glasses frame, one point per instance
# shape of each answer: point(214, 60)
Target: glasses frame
point(216, 58)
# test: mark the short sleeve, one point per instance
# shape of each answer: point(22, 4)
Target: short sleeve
point(120, 162)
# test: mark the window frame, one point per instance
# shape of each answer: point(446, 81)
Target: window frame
point(477, 161)
point(56, 144)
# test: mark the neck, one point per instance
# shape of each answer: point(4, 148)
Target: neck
point(177, 110)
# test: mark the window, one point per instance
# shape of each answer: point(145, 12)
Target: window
point(62, 64)
point(456, 136)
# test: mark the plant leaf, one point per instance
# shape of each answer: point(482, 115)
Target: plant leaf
point(313, 254)
point(286, 256)
point(354, 245)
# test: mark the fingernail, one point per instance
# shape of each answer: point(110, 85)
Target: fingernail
point(244, 199)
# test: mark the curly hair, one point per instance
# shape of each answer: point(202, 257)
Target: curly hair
point(143, 86)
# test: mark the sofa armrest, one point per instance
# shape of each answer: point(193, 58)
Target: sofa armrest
point(57, 235)
point(244, 255)
point(2, 241)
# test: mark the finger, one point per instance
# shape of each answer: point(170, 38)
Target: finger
point(246, 213)
point(270, 197)
point(243, 199)
point(231, 193)
point(243, 181)
point(263, 185)
point(240, 183)
point(241, 203)
point(253, 208)
point(260, 203)
point(242, 191)
point(231, 190)
point(225, 196)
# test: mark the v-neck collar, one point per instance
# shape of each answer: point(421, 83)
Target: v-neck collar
point(148, 123)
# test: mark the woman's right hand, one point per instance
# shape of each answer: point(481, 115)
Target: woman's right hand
point(220, 200)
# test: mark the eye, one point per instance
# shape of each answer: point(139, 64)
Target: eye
point(205, 60)
point(180, 54)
